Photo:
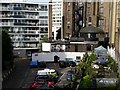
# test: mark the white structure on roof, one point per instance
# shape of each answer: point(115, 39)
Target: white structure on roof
point(111, 52)
point(101, 50)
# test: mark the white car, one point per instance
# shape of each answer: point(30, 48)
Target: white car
point(46, 72)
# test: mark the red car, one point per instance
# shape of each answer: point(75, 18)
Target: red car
point(36, 85)
point(51, 84)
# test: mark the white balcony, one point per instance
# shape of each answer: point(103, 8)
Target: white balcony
point(32, 17)
point(6, 24)
point(5, 8)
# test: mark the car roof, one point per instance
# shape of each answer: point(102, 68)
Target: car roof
point(70, 71)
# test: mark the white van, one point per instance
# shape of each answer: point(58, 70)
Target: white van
point(46, 72)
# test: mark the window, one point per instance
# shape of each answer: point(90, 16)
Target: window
point(15, 20)
point(101, 22)
point(69, 4)
point(101, 10)
point(46, 29)
point(42, 36)
point(45, 7)
point(101, 1)
point(88, 47)
point(18, 13)
point(88, 35)
point(119, 20)
point(15, 5)
point(90, 19)
point(18, 5)
point(42, 29)
point(78, 57)
point(88, 10)
point(15, 13)
point(68, 26)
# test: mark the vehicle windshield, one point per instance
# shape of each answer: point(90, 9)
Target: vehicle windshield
point(68, 59)
point(70, 72)
point(53, 72)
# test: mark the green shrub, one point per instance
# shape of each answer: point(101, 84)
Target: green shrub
point(86, 82)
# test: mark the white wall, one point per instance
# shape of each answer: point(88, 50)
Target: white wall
point(46, 47)
point(50, 56)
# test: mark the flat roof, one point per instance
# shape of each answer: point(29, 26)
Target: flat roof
point(23, 2)
point(85, 42)
point(91, 29)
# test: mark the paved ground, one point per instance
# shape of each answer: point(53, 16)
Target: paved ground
point(32, 73)
point(62, 81)
point(23, 76)
point(18, 74)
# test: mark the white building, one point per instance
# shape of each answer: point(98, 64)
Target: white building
point(26, 22)
point(57, 13)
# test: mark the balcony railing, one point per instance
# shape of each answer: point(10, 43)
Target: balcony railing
point(17, 8)
point(6, 24)
point(43, 31)
point(18, 16)
point(43, 16)
point(35, 9)
point(6, 16)
point(5, 8)
point(33, 17)
point(20, 23)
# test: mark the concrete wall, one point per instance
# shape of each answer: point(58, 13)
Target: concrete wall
point(49, 57)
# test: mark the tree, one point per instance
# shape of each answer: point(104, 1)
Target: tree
point(112, 63)
point(44, 38)
point(86, 83)
point(7, 51)
point(91, 58)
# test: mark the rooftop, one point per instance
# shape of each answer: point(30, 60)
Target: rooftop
point(91, 29)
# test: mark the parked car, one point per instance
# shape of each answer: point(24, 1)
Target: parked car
point(41, 77)
point(42, 64)
point(36, 85)
point(51, 72)
point(62, 64)
point(69, 76)
point(33, 64)
point(71, 63)
point(51, 83)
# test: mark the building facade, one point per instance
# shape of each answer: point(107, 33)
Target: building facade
point(55, 18)
point(25, 22)
point(61, 19)
point(106, 15)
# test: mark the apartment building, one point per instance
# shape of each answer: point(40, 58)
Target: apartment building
point(117, 34)
point(61, 19)
point(26, 22)
point(106, 15)
point(55, 18)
